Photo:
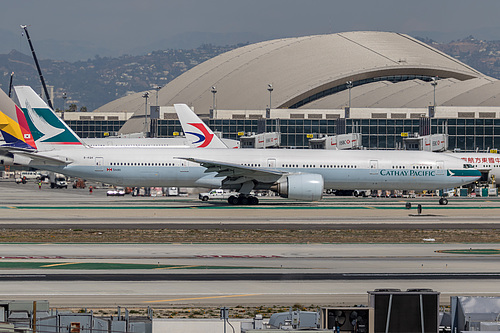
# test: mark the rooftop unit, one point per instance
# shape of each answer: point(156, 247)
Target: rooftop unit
point(22, 315)
point(474, 313)
point(348, 319)
point(414, 310)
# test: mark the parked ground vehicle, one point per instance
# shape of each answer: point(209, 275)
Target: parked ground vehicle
point(172, 191)
point(25, 176)
point(58, 180)
point(20, 180)
point(119, 191)
point(31, 174)
point(79, 183)
point(214, 194)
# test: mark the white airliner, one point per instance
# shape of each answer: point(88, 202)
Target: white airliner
point(295, 174)
point(487, 163)
point(36, 109)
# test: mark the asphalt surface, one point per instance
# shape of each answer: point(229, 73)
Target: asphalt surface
point(26, 207)
point(231, 274)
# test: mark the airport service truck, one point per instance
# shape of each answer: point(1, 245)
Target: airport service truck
point(57, 180)
point(214, 194)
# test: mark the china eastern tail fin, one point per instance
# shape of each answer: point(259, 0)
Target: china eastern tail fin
point(197, 132)
point(13, 125)
point(46, 127)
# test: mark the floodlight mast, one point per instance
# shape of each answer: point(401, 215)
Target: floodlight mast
point(25, 28)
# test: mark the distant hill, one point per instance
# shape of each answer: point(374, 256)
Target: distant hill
point(481, 55)
point(99, 80)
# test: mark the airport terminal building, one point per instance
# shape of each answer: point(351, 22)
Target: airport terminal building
point(379, 84)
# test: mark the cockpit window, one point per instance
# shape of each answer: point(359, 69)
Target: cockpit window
point(468, 166)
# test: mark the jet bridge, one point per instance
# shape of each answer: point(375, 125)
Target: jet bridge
point(433, 142)
point(336, 142)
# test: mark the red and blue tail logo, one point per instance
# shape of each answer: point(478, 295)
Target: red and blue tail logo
point(205, 137)
point(15, 131)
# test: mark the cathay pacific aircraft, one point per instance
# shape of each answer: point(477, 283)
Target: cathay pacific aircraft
point(295, 174)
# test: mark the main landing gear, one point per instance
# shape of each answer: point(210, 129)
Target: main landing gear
point(443, 201)
point(243, 200)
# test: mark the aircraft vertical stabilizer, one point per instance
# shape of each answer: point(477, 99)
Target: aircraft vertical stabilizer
point(197, 132)
point(13, 124)
point(46, 127)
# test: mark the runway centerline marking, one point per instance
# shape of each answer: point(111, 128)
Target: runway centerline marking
point(197, 298)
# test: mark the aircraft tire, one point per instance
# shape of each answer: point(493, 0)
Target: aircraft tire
point(232, 200)
point(253, 200)
point(242, 200)
point(443, 201)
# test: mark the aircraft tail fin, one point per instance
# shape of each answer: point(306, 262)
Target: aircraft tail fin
point(46, 127)
point(13, 125)
point(197, 132)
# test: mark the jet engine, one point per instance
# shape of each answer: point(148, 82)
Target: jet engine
point(6, 159)
point(307, 187)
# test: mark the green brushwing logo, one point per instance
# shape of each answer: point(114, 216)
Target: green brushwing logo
point(46, 127)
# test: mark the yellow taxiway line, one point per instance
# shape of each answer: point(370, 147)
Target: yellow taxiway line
point(197, 298)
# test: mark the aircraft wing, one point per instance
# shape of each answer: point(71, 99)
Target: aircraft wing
point(10, 149)
point(37, 159)
point(238, 173)
point(27, 157)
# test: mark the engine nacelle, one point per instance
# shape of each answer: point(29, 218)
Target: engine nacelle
point(6, 160)
point(307, 187)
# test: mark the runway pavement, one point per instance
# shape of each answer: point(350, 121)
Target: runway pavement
point(230, 274)
point(26, 207)
point(239, 274)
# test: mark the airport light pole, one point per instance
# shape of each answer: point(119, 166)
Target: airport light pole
point(434, 84)
point(270, 89)
point(157, 88)
point(214, 101)
point(64, 96)
point(146, 95)
point(349, 86)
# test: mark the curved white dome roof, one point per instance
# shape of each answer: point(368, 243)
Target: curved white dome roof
point(388, 69)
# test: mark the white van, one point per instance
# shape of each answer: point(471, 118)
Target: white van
point(31, 174)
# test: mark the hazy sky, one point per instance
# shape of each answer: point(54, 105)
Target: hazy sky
point(120, 25)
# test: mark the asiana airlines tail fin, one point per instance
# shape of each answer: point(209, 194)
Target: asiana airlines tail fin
point(13, 125)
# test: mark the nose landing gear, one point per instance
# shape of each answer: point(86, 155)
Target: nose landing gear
point(443, 201)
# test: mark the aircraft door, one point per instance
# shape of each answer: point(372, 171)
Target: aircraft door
point(271, 163)
point(184, 166)
point(373, 167)
point(440, 168)
point(99, 164)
